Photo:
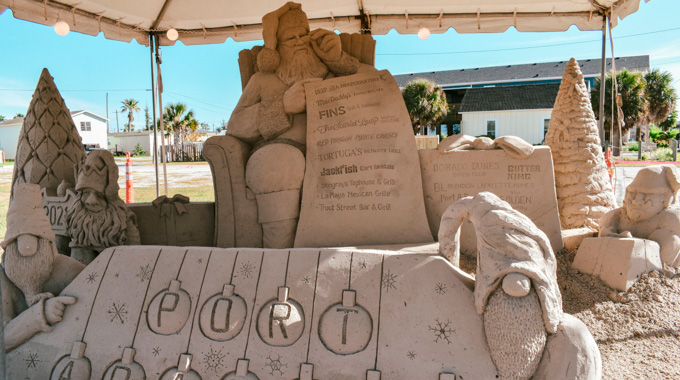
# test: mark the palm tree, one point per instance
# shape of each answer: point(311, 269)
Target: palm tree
point(129, 106)
point(425, 102)
point(660, 94)
point(178, 121)
point(631, 87)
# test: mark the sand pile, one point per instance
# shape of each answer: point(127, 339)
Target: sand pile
point(638, 331)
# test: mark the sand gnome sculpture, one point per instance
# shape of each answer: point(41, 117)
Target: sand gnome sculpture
point(650, 211)
point(32, 270)
point(270, 116)
point(584, 192)
point(49, 143)
point(517, 293)
point(99, 218)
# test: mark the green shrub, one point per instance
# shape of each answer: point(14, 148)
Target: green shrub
point(634, 147)
point(138, 151)
point(664, 154)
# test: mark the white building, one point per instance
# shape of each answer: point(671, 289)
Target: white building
point(91, 128)
point(522, 111)
point(127, 141)
point(9, 136)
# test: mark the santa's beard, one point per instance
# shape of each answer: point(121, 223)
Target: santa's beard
point(29, 273)
point(97, 230)
point(515, 333)
point(300, 64)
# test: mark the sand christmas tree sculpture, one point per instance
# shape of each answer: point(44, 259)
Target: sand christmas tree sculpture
point(584, 192)
point(49, 143)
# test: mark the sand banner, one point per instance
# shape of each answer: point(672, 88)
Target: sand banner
point(362, 182)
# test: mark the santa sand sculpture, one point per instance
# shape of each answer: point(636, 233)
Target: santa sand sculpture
point(584, 192)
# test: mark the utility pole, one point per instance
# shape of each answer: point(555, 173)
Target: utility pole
point(107, 113)
point(117, 126)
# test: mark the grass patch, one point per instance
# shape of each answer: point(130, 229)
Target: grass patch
point(195, 194)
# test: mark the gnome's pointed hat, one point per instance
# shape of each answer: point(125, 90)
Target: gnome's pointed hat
point(99, 172)
point(26, 215)
point(507, 242)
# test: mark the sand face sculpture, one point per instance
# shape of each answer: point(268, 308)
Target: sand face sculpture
point(650, 211)
point(271, 117)
point(517, 294)
point(49, 144)
point(584, 192)
point(99, 218)
point(32, 271)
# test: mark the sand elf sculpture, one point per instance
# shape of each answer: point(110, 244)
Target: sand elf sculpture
point(516, 290)
point(32, 270)
point(99, 218)
point(49, 144)
point(650, 211)
point(584, 192)
point(270, 116)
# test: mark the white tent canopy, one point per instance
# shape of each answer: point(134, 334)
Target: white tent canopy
point(213, 21)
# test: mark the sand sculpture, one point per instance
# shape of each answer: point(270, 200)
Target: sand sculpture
point(641, 236)
point(584, 192)
point(99, 218)
point(32, 270)
point(210, 313)
point(271, 118)
point(49, 144)
point(516, 291)
point(514, 146)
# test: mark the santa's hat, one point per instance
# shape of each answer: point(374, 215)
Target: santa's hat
point(99, 172)
point(656, 179)
point(26, 215)
point(507, 242)
point(288, 16)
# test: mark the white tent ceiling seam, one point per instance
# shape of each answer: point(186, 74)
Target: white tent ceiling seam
point(213, 21)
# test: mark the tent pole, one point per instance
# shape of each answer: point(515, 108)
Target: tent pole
point(155, 131)
point(160, 106)
point(603, 78)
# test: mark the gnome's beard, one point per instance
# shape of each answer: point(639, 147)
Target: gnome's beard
point(300, 64)
point(29, 273)
point(97, 230)
point(515, 333)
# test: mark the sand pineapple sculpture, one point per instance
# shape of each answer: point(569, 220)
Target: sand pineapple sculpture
point(49, 144)
point(584, 192)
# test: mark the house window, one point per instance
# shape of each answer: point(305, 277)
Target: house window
point(546, 123)
point(491, 128)
point(85, 126)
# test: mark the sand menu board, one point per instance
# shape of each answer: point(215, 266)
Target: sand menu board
point(362, 182)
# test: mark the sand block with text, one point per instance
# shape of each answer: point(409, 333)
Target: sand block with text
point(528, 185)
point(362, 183)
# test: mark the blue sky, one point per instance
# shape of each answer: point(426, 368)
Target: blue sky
point(206, 77)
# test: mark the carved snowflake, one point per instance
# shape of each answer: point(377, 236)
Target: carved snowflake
point(247, 269)
point(411, 355)
point(32, 360)
point(118, 312)
point(275, 365)
point(213, 360)
point(156, 351)
point(116, 275)
point(441, 288)
point(307, 280)
point(200, 260)
point(92, 277)
point(144, 273)
point(362, 264)
point(389, 280)
point(442, 330)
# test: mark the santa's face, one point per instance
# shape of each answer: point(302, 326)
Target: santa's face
point(641, 205)
point(298, 60)
point(294, 41)
point(93, 200)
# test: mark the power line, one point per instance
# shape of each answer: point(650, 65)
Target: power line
point(526, 47)
point(200, 101)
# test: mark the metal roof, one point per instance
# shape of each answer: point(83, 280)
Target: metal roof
point(504, 98)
